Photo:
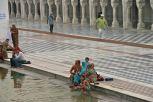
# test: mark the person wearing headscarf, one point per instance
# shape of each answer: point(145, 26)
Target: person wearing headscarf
point(15, 39)
point(5, 46)
point(74, 77)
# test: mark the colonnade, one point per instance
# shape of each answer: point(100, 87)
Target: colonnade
point(119, 13)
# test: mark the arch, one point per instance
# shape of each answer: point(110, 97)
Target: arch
point(14, 8)
point(46, 10)
point(32, 9)
point(134, 14)
point(120, 13)
point(54, 10)
point(70, 11)
point(19, 5)
point(98, 8)
point(79, 13)
point(109, 13)
point(9, 8)
point(38, 8)
point(26, 9)
point(148, 14)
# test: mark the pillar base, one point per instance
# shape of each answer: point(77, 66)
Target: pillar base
point(36, 18)
point(13, 15)
point(115, 24)
point(129, 25)
point(25, 17)
point(152, 27)
point(58, 19)
point(83, 21)
point(18, 16)
point(30, 18)
point(66, 20)
point(141, 26)
point(44, 20)
point(74, 21)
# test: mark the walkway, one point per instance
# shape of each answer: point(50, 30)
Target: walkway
point(141, 37)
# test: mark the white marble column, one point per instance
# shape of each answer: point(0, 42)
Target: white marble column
point(115, 4)
point(23, 12)
point(128, 8)
point(151, 3)
point(92, 5)
point(12, 9)
point(58, 17)
point(74, 5)
point(103, 4)
point(42, 11)
point(30, 16)
point(83, 5)
point(18, 15)
point(140, 5)
point(65, 4)
point(50, 3)
point(36, 17)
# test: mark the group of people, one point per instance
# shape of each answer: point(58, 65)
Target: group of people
point(12, 43)
point(82, 74)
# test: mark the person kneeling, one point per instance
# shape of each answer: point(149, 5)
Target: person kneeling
point(1, 54)
point(17, 59)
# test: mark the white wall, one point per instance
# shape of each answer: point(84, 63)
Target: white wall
point(4, 17)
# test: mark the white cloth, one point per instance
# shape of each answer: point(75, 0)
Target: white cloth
point(9, 36)
point(101, 31)
point(20, 56)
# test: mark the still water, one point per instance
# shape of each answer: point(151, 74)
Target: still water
point(18, 87)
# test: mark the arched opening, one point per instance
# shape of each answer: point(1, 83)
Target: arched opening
point(32, 9)
point(148, 14)
point(98, 8)
point(46, 10)
point(109, 13)
point(9, 8)
point(14, 8)
point(54, 10)
point(19, 5)
point(70, 12)
point(134, 14)
point(87, 12)
point(26, 9)
point(120, 13)
point(38, 8)
point(79, 13)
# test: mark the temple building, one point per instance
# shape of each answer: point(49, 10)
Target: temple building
point(128, 14)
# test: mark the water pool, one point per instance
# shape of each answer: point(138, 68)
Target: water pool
point(19, 87)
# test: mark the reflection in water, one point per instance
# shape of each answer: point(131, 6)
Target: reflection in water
point(17, 78)
point(84, 98)
point(43, 89)
point(3, 73)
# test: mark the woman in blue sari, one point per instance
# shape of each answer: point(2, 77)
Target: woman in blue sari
point(84, 66)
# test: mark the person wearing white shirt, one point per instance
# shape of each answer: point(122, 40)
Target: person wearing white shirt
point(18, 59)
point(19, 56)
